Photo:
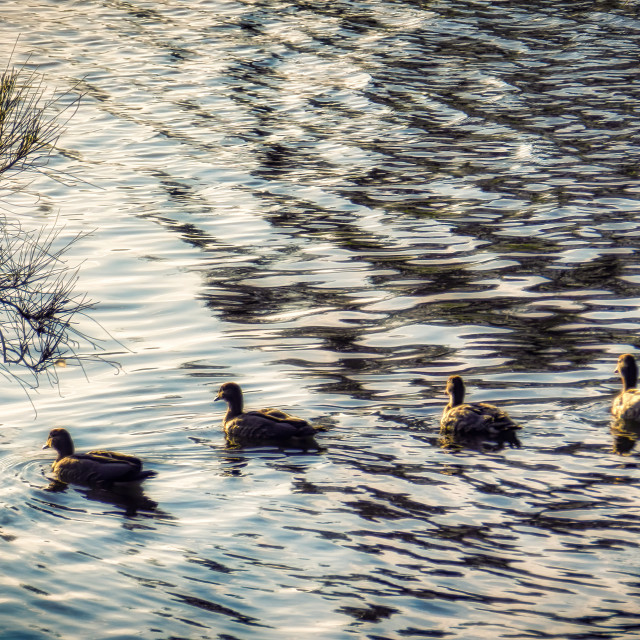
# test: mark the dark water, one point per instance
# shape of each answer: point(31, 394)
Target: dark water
point(336, 205)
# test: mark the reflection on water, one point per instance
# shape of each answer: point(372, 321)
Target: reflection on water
point(625, 435)
point(129, 498)
point(339, 205)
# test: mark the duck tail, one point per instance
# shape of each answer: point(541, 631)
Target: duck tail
point(509, 437)
point(147, 473)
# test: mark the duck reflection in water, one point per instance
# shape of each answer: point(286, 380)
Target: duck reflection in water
point(625, 435)
point(477, 424)
point(127, 496)
point(263, 427)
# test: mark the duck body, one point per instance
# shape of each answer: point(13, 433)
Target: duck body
point(626, 405)
point(475, 422)
point(260, 427)
point(95, 468)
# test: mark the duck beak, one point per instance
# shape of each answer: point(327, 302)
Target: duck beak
point(218, 397)
point(48, 444)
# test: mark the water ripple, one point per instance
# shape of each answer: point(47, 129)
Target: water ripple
point(338, 205)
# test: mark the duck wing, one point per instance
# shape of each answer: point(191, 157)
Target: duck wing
point(277, 415)
point(112, 456)
point(100, 468)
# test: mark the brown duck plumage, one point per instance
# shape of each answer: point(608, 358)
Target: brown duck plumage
point(476, 421)
point(95, 467)
point(263, 426)
point(626, 405)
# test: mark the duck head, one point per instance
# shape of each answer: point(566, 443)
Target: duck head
point(231, 393)
point(455, 390)
point(628, 371)
point(60, 440)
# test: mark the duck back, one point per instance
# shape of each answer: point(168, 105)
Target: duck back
point(480, 420)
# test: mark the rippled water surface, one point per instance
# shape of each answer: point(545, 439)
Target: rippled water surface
point(337, 205)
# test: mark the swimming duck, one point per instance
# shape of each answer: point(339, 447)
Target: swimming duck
point(263, 426)
point(94, 468)
point(626, 405)
point(476, 421)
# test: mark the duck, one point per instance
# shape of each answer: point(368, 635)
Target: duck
point(95, 468)
point(475, 421)
point(264, 426)
point(626, 405)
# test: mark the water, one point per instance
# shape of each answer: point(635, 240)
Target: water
point(336, 205)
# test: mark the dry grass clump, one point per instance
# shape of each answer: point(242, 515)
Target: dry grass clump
point(38, 301)
point(31, 121)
